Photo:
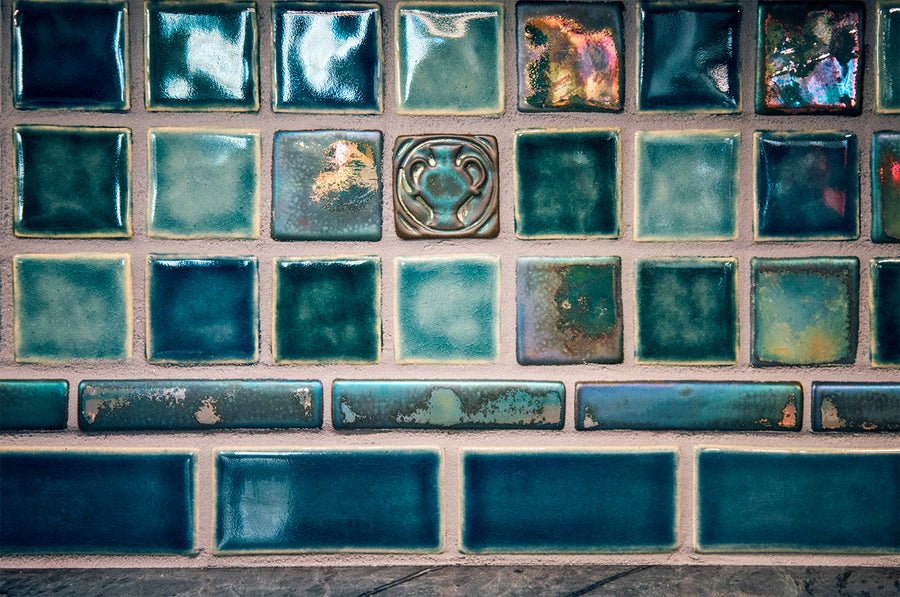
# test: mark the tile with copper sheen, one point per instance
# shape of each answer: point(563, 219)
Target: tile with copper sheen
point(886, 186)
point(884, 312)
point(33, 404)
point(887, 67)
point(855, 406)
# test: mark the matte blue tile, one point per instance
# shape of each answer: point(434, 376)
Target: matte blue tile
point(440, 404)
point(797, 500)
point(33, 404)
point(886, 186)
point(884, 312)
point(855, 406)
point(368, 500)
point(887, 48)
point(692, 406)
point(568, 501)
point(161, 404)
point(71, 500)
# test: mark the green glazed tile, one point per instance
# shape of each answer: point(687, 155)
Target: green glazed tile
point(33, 404)
point(201, 55)
point(679, 174)
point(327, 310)
point(326, 185)
point(204, 183)
point(449, 58)
point(569, 310)
point(855, 406)
point(72, 306)
point(568, 184)
point(804, 311)
point(886, 186)
point(72, 181)
point(884, 312)
point(887, 67)
point(570, 56)
point(686, 311)
point(447, 309)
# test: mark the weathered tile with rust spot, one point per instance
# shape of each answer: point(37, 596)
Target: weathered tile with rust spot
point(855, 406)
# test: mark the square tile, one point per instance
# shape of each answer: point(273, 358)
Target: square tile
point(446, 186)
point(856, 407)
point(884, 312)
point(326, 57)
point(33, 404)
point(804, 311)
point(686, 311)
point(679, 174)
point(72, 181)
point(202, 310)
point(689, 57)
point(72, 306)
point(807, 186)
point(568, 183)
point(326, 185)
point(569, 310)
point(447, 309)
point(887, 67)
point(449, 58)
point(808, 58)
point(71, 54)
point(886, 186)
point(327, 310)
point(204, 183)
point(201, 55)
point(570, 56)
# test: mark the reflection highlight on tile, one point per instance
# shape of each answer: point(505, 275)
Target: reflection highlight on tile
point(886, 186)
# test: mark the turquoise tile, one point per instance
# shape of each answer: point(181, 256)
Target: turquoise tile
point(72, 306)
point(686, 311)
point(441, 404)
point(447, 309)
point(887, 48)
point(204, 183)
point(326, 185)
point(855, 406)
point(181, 404)
point(679, 174)
point(569, 310)
point(202, 310)
point(804, 311)
point(70, 54)
point(570, 56)
point(568, 501)
point(327, 310)
point(808, 58)
point(691, 406)
point(201, 55)
point(72, 181)
point(689, 57)
point(33, 404)
point(322, 500)
point(449, 58)
point(795, 500)
point(100, 501)
point(886, 186)
point(884, 312)
point(568, 183)
point(327, 57)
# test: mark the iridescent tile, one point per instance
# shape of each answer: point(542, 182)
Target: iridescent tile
point(570, 56)
point(855, 407)
point(886, 186)
point(887, 66)
point(884, 312)
point(33, 404)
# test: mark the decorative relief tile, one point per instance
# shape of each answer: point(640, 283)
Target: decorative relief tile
point(884, 312)
point(33, 404)
point(855, 406)
point(887, 48)
point(886, 186)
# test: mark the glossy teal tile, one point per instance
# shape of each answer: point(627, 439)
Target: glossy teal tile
point(568, 183)
point(70, 54)
point(72, 306)
point(807, 186)
point(77, 500)
point(569, 310)
point(440, 404)
point(686, 311)
point(204, 183)
point(327, 310)
point(808, 58)
point(327, 57)
point(886, 186)
point(201, 55)
point(182, 404)
point(447, 309)
point(323, 500)
point(568, 501)
point(326, 185)
point(804, 311)
point(449, 58)
point(796, 500)
point(72, 181)
point(691, 406)
point(33, 404)
point(570, 56)
point(887, 48)
point(202, 310)
point(679, 174)
point(884, 312)
point(855, 406)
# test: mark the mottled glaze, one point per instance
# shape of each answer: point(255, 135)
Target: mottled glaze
point(886, 186)
point(887, 67)
point(855, 406)
point(33, 404)
point(884, 312)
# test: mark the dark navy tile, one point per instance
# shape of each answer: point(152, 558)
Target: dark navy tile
point(33, 404)
point(884, 312)
point(363, 500)
point(886, 185)
point(71, 500)
point(855, 406)
point(887, 67)
point(794, 500)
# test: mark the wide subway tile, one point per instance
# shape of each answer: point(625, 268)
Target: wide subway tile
point(886, 186)
point(33, 404)
point(855, 406)
point(887, 67)
point(884, 312)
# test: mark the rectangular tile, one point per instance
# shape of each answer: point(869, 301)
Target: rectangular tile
point(33, 404)
point(884, 312)
point(855, 406)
